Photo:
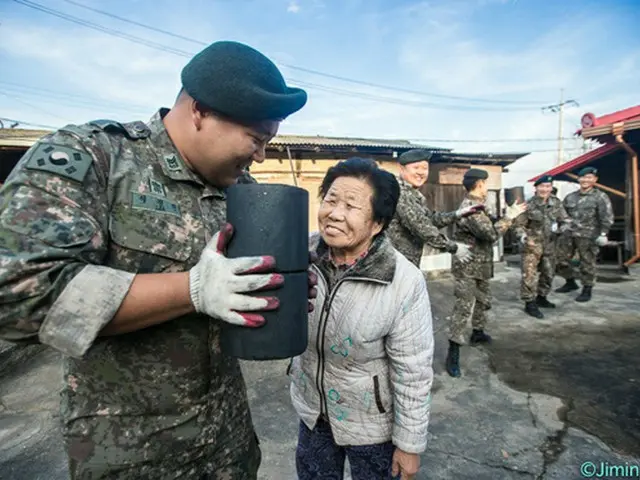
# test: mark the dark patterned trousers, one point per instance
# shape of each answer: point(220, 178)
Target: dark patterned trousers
point(472, 301)
point(538, 270)
point(587, 252)
point(318, 456)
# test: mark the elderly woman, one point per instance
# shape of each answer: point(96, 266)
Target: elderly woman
point(362, 387)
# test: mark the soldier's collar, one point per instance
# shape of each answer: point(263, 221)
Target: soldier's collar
point(171, 162)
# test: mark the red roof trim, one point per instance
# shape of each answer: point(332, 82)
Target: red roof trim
point(631, 113)
point(579, 161)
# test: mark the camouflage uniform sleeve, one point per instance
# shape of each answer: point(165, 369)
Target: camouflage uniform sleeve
point(481, 227)
point(520, 224)
point(53, 240)
point(605, 213)
point(416, 218)
point(443, 219)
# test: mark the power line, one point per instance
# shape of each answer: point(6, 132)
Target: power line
point(21, 122)
point(484, 140)
point(100, 28)
point(29, 89)
point(35, 107)
point(166, 49)
point(559, 108)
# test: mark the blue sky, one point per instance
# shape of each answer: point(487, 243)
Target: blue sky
point(498, 51)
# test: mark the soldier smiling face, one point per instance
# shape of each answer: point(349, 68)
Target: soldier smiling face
point(214, 146)
point(543, 190)
point(415, 174)
point(587, 181)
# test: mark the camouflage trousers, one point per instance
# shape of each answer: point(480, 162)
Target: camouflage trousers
point(472, 300)
point(187, 447)
point(587, 253)
point(538, 270)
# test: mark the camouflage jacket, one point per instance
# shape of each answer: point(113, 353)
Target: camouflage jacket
point(591, 213)
point(481, 233)
point(86, 209)
point(415, 225)
point(538, 221)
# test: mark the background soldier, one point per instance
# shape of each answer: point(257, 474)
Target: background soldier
point(414, 224)
point(591, 213)
point(537, 230)
point(472, 289)
point(109, 254)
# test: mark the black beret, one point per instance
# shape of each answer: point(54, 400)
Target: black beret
point(413, 156)
point(476, 174)
point(587, 171)
point(241, 83)
point(543, 179)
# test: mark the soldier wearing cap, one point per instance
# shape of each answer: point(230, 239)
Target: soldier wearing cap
point(414, 224)
point(591, 213)
point(537, 229)
point(472, 289)
point(112, 250)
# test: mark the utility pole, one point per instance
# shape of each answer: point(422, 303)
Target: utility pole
point(559, 108)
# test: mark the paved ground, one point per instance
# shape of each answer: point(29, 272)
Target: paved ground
point(546, 397)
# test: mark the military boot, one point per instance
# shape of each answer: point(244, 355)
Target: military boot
point(569, 286)
point(585, 295)
point(453, 359)
point(478, 336)
point(544, 303)
point(531, 308)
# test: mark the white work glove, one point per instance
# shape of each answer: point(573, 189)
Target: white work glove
point(554, 227)
point(470, 210)
point(515, 210)
point(602, 240)
point(463, 252)
point(218, 284)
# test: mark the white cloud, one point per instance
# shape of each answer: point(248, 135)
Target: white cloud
point(445, 57)
point(293, 7)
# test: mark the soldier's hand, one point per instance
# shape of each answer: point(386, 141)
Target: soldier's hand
point(602, 240)
point(515, 210)
point(218, 285)
point(463, 252)
point(523, 238)
point(470, 210)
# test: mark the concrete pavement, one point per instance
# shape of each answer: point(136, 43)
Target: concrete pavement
point(545, 397)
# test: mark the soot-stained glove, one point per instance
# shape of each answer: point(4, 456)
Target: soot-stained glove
point(470, 210)
point(219, 285)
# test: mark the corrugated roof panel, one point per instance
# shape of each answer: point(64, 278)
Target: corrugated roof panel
point(580, 161)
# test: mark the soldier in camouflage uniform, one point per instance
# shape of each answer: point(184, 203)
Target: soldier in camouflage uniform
point(414, 224)
point(592, 217)
point(472, 289)
point(112, 242)
point(537, 230)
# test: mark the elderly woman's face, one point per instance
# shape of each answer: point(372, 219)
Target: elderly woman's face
point(345, 217)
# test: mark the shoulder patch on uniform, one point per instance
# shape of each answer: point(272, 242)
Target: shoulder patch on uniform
point(60, 160)
point(144, 201)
